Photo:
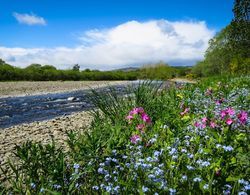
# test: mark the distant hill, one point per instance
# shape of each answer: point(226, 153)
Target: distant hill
point(127, 69)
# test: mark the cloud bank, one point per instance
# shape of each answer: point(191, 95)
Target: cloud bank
point(129, 44)
point(29, 19)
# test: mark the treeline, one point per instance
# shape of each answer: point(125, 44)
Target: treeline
point(37, 72)
point(229, 50)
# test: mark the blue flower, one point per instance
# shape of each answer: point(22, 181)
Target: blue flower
point(76, 166)
point(197, 179)
point(33, 185)
point(206, 186)
point(95, 188)
point(190, 167)
point(42, 190)
point(172, 191)
point(228, 148)
point(145, 189)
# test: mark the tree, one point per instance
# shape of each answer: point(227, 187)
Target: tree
point(239, 29)
point(76, 67)
point(2, 62)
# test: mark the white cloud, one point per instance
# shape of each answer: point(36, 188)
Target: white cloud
point(29, 19)
point(128, 44)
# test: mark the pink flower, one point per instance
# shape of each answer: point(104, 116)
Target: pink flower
point(220, 101)
point(204, 119)
point(138, 110)
point(229, 121)
point(135, 139)
point(129, 117)
point(185, 111)
point(230, 111)
point(212, 124)
point(145, 118)
point(242, 116)
point(223, 113)
point(203, 126)
point(140, 127)
point(196, 124)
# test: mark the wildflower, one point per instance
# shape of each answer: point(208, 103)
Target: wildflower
point(76, 166)
point(242, 193)
point(242, 116)
point(184, 177)
point(95, 188)
point(227, 148)
point(145, 189)
point(196, 124)
point(203, 125)
point(157, 153)
point(242, 181)
point(229, 121)
point(129, 117)
point(197, 179)
point(172, 191)
point(101, 171)
point(228, 186)
point(230, 111)
point(138, 110)
point(33, 185)
point(172, 151)
point(135, 139)
point(204, 120)
point(212, 124)
point(206, 186)
point(223, 113)
point(140, 127)
point(145, 118)
point(186, 110)
point(116, 188)
point(220, 101)
point(56, 186)
point(190, 167)
point(42, 190)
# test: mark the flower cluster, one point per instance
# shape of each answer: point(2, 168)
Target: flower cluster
point(139, 116)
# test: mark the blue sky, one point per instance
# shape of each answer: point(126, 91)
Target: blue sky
point(66, 23)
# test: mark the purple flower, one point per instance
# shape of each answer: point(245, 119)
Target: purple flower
point(135, 139)
point(145, 118)
point(242, 116)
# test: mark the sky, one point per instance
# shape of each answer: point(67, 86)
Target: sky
point(109, 34)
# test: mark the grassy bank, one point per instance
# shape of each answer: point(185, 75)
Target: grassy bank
point(191, 139)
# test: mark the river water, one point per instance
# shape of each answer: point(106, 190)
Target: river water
point(25, 109)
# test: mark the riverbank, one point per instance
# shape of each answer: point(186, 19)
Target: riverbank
point(42, 132)
point(24, 88)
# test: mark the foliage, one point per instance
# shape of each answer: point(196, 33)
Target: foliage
point(229, 50)
point(186, 139)
point(37, 72)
